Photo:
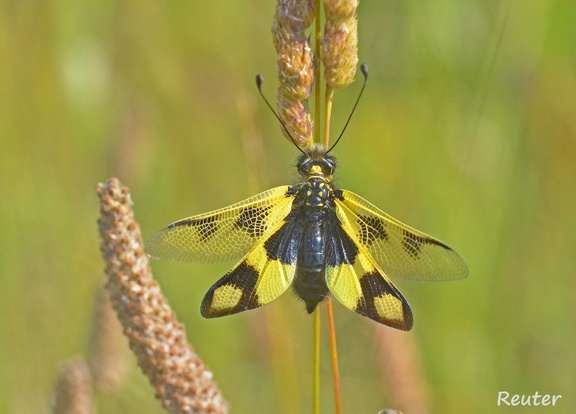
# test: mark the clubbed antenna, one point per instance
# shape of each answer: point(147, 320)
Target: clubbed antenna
point(364, 69)
point(259, 82)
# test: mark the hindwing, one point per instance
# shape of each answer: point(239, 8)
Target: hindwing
point(222, 234)
point(261, 276)
point(355, 280)
point(398, 249)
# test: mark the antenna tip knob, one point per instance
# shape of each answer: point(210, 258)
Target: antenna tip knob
point(364, 69)
point(259, 80)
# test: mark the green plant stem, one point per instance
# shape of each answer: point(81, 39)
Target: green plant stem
point(328, 98)
point(334, 356)
point(316, 393)
point(317, 138)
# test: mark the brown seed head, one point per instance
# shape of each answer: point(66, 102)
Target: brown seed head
point(296, 65)
point(296, 120)
point(296, 70)
point(108, 348)
point(182, 383)
point(74, 389)
point(339, 49)
point(338, 10)
point(291, 19)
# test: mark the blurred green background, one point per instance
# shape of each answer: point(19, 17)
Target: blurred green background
point(467, 131)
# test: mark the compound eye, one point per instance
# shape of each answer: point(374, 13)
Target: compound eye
point(329, 166)
point(331, 169)
point(304, 166)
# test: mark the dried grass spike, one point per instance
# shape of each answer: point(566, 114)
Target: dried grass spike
point(295, 69)
point(182, 383)
point(291, 19)
point(296, 65)
point(74, 389)
point(401, 368)
point(339, 52)
point(338, 10)
point(108, 348)
point(308, 8)
point(296, 120)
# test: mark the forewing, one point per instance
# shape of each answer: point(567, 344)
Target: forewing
point(356, 281)
point(398, 249)
point(261, 276)
point(222, 234)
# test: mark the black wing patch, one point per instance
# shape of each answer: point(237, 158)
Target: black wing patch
point(261, 276)
point(222, 234)
point(371, 229)
point(355, 280)
point(252, 220)
point(205, 227)
point(283, 245)
point(398, 249)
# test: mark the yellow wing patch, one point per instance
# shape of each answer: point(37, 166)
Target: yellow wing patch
point(389, 307)
point(363, 288)
point(222, 234)
point(398, 249)
point(255, 281)
point(355, 279)
point(344, 283)
point(226, 297)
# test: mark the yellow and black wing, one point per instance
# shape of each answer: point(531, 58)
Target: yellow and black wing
point(261, 276)
point(355, 279)
point(398, 249)
point(223, 234)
